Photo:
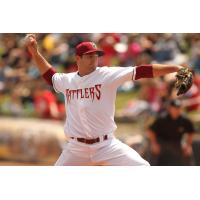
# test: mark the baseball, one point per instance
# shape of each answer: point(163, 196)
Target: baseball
point(29, 39)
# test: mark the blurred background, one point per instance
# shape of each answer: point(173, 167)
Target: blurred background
point(32, 115)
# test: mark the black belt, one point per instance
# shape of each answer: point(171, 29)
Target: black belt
point(90, 141)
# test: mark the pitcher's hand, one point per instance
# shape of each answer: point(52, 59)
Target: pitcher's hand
point(31, 43)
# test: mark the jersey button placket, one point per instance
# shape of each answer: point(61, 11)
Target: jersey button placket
point(83, 117)
point(81, 108)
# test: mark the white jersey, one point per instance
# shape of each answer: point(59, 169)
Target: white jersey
point(90, 100)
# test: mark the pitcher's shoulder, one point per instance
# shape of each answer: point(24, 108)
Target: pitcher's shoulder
point(103, 68)
point(106, 69)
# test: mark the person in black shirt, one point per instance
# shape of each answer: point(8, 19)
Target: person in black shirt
point(166, 136)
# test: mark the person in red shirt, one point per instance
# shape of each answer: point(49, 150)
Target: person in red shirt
point(45, 103)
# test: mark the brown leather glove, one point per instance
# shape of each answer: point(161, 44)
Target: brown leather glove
point(184, 80)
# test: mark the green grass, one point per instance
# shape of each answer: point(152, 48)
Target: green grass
point(123, 98)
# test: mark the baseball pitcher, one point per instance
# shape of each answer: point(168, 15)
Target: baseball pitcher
point(90, 95)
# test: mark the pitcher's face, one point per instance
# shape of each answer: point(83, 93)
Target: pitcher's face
point(88, 61)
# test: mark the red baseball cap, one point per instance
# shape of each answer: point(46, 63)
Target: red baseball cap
point(88, 47)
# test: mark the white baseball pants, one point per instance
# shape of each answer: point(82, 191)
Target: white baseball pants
point(111, 152)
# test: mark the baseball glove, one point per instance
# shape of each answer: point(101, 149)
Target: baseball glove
point(184, 80)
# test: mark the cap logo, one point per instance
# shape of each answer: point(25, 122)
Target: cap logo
point(94, 45)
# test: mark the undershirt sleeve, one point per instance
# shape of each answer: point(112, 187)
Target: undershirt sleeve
point(144, 71)
point(48, 75)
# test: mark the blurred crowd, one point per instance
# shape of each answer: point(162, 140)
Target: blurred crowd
point(24, 93)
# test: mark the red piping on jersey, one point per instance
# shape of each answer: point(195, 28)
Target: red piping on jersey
point(48, 75)
point(144, 71)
